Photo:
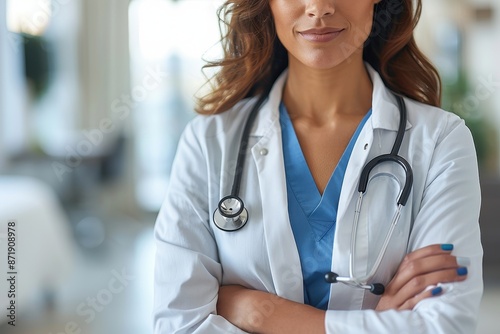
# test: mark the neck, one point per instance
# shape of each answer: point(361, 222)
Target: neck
point(322, 95)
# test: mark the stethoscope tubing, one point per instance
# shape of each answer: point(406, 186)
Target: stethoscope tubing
point(222, 217)
point(228, 220)
point(242, 151)
point(361, 282)
point(365, 175)
point(383, 249)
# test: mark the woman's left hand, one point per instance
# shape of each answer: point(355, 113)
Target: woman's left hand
point(420, 269)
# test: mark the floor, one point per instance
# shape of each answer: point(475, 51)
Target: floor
point(128, 253)
point(110, 290)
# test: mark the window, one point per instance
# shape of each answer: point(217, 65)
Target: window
point(167, 41)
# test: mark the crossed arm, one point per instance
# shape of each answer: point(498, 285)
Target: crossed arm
point(261, 312)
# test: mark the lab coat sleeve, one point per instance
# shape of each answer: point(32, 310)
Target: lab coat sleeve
point(449, 213)
point(187, 271)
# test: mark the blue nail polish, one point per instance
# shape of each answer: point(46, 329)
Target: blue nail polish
point(447, 247)
point(437, 291)
point(462, 271)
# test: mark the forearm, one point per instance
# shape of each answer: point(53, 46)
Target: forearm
point(261, 312)
point(277, 315)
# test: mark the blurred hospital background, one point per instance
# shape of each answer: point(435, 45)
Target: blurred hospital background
point(93, 97)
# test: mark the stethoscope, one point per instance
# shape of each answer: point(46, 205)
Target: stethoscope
point(231, 214)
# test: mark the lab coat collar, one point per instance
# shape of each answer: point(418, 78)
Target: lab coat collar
point(268, 117)
point(385, 112)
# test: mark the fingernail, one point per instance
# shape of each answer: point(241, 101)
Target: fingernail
point(436, 291)
point(463, 261)
point(462, 271)
point(447, 247)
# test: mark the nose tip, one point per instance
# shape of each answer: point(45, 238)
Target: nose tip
point(319, 9)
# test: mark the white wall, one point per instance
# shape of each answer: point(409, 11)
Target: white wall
point(104, 58)
point(13, 127)
point(89, 40)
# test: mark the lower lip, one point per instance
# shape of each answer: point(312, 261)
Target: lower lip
point(321, 38)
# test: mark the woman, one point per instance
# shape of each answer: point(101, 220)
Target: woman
point(330, 72)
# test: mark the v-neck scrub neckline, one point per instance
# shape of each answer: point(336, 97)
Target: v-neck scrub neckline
point(312, 215)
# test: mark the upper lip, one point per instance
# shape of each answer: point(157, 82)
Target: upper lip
point(321, 31)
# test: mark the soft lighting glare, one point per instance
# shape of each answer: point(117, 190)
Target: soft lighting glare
point(28, 16)
point(173, 35)
point(156, 28)
point(187, 27)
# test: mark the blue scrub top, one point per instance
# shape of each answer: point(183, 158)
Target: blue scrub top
point(312, 216)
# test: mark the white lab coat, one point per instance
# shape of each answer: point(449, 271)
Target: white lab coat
point(194, 257)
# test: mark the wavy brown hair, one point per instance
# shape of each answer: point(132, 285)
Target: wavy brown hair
point(254, 57)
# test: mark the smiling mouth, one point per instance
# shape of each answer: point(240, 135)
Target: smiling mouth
point(321, 35)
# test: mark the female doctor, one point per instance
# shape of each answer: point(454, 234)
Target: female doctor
point(331, 84)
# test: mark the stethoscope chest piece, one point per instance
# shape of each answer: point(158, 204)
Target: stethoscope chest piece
point(231, 214)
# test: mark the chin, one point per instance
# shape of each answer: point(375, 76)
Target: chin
point(329, 60)
point(329, 64)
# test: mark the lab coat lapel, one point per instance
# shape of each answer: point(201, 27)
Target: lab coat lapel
point(340, 294)
point(268, 157)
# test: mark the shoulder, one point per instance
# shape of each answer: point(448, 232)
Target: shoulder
point(228, 122)
point(433, 121)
